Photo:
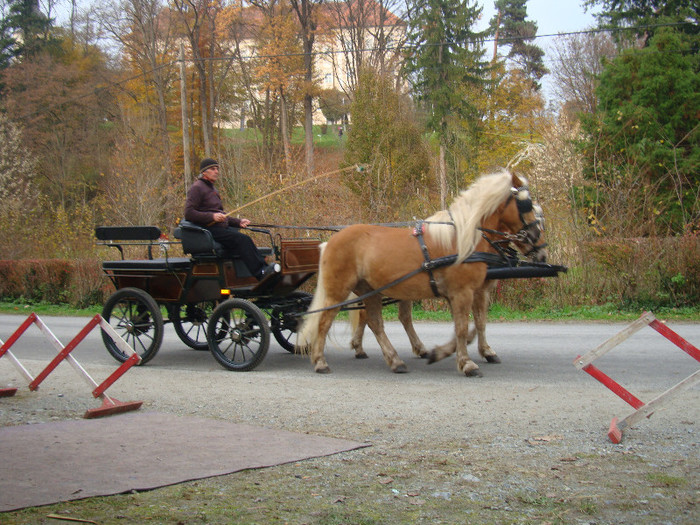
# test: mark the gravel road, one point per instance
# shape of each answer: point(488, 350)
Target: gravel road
point(524, 443)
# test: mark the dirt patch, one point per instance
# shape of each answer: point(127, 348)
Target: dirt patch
point(445, 449)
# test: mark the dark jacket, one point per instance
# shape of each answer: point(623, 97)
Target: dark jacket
point(203, 201)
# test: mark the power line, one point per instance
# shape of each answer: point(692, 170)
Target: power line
point(251, 57)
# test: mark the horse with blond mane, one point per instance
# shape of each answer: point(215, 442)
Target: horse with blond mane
point(480, 305)
point(365, 258)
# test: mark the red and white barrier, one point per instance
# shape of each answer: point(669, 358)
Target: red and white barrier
point(109, 405)
point(642, 409)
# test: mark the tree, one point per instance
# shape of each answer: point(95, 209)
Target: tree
point(143, 29)
point(334, 104)
point(646, 124)
point(512, 118)
point(280, 70)
point(644, 15)
point(369, 34)
point(68, 116)
point(199, 21)
point(15, 177)
point(444, 57)
point(307, 14)
point(384, 137)
point(578, 63)
point(511, 28)
point(24, 30)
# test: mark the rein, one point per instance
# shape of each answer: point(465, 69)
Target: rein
point(505, 256)
point(428, 265)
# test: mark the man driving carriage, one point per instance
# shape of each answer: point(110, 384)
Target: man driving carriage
point(203, 207)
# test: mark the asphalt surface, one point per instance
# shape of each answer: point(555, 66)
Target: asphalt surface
point(537, 352)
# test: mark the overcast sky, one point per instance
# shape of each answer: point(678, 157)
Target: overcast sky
point(552, 17)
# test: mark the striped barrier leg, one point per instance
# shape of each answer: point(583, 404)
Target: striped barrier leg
point(642, 409)
point(109, 405)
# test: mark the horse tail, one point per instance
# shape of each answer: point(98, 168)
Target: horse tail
point(308, 332)
point(354, 315)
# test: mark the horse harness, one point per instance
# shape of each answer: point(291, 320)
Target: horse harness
point(506, 256)
point(502, 247)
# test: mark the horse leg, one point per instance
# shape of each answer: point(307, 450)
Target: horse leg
point(318, 358)
point(358, 322)
point(480, 311)
point(373, 306)
point(406, 318)
point(460, 314)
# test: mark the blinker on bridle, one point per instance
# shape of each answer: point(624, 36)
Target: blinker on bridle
point(531, 231)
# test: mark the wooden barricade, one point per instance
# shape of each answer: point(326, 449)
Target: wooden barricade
point(109, 404)
point(641, 409)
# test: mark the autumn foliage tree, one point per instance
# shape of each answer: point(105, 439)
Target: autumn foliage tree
point(280, 69)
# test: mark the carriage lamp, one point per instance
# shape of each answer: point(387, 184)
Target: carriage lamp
point(225, 291)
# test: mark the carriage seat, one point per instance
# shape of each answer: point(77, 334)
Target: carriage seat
point(198, 241)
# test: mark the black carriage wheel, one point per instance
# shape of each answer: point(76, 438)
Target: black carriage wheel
point(284, 320)
point(136, 317)
point(246, 335)
point(190, 323)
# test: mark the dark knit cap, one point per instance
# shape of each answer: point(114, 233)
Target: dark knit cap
point(206, 164)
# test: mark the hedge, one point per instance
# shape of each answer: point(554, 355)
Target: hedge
point(78, 282)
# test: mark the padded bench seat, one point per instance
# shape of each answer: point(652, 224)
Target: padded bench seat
point(171, 264)
point(199, 242)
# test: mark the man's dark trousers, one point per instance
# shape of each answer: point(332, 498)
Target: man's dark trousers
point(242, 245)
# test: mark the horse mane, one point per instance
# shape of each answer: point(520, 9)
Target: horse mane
point(468, 210)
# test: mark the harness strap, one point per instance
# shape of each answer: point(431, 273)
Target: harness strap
point(418, 234)
point(491, 259)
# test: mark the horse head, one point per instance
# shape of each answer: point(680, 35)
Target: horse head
point(522, 221)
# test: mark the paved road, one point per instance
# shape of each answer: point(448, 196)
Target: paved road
point(537, 352)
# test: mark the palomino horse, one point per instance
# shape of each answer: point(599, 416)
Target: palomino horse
point(358, 317)
point(358, 322)
point(363, 258)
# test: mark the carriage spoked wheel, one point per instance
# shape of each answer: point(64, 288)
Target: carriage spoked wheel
point(190, 322)
point(238, 334)
point(136, 317)
point(284, 319)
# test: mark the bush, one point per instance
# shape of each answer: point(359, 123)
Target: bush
point(648, 273)
point(55, 281)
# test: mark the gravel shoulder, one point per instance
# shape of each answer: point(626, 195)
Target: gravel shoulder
point(444, 448)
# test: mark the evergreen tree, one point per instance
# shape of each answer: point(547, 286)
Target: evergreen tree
point(643, 15)
point(647, 127)
point(445, 59)
point(23, 31)
point(511, 28)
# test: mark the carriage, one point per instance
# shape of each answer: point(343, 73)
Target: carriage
point(214, 302)
point(209, 296)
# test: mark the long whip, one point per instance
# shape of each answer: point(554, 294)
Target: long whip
point(295, 185)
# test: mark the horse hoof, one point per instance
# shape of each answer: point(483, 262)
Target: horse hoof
point(493, 359)
point(474, 373)
point(323, 370)
point(361, 356)
point(401, 369)
point(424, 355)
point(431, 357)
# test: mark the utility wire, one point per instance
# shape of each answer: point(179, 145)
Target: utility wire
point(171, 63)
